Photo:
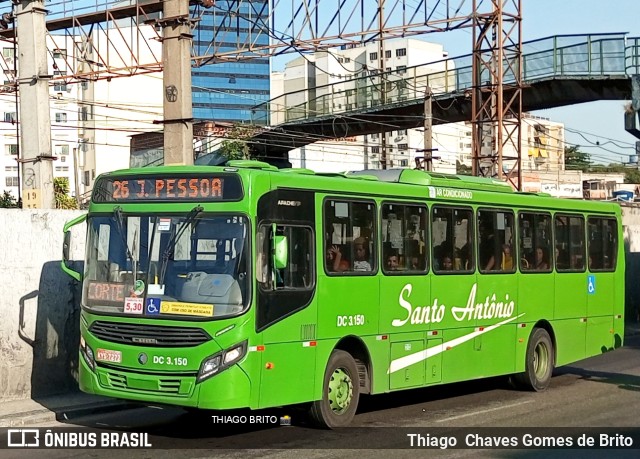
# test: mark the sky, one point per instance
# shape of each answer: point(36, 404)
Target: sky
point(597, 121)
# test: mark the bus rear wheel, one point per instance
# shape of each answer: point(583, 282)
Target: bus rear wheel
point(340, 392)
point(539, 362)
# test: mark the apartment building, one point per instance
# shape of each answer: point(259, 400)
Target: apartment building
point(345, 78)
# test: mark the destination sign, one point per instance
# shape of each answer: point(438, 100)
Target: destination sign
point(184, 187)
point(107, 292)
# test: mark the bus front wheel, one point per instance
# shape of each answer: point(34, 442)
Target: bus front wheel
point(539, 362)
point(340, 392)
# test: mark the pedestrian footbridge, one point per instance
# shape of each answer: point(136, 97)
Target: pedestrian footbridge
point(558, 70)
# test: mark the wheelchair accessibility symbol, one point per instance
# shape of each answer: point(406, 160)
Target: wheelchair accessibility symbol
point(153, 306)
point(591, 284)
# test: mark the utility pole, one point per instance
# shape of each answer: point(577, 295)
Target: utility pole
point(177, 108)
point(428, 133)
point(426, 162)
point(33, 84)
point(381, 79)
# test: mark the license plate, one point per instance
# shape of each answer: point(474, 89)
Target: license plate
point(107, 355)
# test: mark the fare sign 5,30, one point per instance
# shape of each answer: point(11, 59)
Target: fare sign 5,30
point(133, 305)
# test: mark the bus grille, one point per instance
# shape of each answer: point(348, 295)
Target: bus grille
point(169, 386)
point(148, 335)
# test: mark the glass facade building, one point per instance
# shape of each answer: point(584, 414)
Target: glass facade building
point(228, 91)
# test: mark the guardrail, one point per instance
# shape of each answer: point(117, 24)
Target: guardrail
point(562, 56)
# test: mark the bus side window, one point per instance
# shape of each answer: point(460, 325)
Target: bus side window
point(569, 243)
point(404, 234)
point(496, 234)
point(350, 239)
point(535, 242)
point(452, 237)
point(602, 244)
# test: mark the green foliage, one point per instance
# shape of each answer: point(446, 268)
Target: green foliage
point(462, 169)
point(7, 201)
point(574, 159)
point(631, 176)
point(236, 145)
point(61, 193)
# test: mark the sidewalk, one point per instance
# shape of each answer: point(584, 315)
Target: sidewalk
point(29, 412)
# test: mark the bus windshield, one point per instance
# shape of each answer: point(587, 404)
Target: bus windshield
point(186, 266)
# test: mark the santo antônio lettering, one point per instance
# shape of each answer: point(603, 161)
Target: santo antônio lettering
point(490, 308)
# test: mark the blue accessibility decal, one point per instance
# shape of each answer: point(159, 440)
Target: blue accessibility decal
point(153, 306)
point(591, 284)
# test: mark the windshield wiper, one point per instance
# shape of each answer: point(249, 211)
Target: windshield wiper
point(117, 212)
point(191, 216)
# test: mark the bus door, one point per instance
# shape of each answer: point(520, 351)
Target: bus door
point(285, 288)
point(453, 283)
point(496, 291)
point(570, 313)
point(602, 236)
point(348, 287)
point(405, 296)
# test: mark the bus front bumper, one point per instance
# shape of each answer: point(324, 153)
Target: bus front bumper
point(229, 389)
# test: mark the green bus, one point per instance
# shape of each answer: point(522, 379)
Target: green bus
point(246, 286)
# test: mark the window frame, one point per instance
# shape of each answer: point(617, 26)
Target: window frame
point(311, 252)
point(406, 272)
point(472, 249)
point(514, 249)
point(519, 239)
point(373, 240)
point(584, 239)
point(588, 244)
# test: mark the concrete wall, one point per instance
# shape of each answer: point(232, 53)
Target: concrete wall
point(39, 304)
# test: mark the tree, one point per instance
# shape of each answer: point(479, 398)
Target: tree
point(462, 169)
point(632, 176)
point(236, 143)
point(574, 159)
point(61, 193)
point(7, 201)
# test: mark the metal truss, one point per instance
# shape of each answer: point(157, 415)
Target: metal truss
point(497, 106)
point(284, 26)
point(108, 42)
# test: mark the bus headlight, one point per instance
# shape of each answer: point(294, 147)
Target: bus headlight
point(221, 361)
point(87, 353)
point(209, 367)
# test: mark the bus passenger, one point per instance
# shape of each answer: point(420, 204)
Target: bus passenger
point(562, 259)
point(487, 247)
point(415, 264)
point(335, 262)
point(393, 263)
point(360, 262)
point(446, 264)
point(507, 258)
point(540, 263)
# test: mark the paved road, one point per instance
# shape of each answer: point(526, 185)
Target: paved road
point(600, 392)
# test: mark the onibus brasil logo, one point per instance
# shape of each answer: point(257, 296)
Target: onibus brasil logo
point(490, 308)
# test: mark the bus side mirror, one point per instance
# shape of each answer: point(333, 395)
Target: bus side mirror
point(280, 252)
point(66, 244)
point(66, 247)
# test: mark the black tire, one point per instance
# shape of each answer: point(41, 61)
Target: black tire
point(539, 362)
point(340, 393)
